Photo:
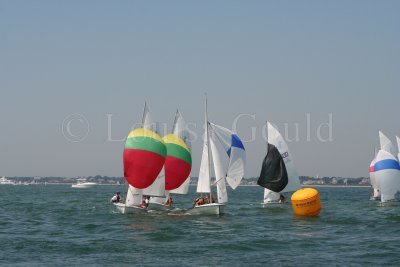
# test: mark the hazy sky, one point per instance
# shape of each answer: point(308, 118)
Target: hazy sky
point(283, 61)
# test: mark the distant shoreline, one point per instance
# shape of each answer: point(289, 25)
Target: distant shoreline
point(328, 185)
point(303, 185)
point(244, 185)
point(319, 185)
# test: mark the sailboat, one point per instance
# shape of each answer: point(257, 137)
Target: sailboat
point(278, 173)
point(144, 157)
point(178, 163)
point(235, 152)
point(387, 170)
point(386, 145)
point(177, 167)
point(155, 193)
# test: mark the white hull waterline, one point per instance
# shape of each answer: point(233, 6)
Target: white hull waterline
point(270, 203)
point(121, 207)
point(207, 209)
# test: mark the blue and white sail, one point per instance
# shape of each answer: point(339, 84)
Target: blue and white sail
point(387, 174)
point(398, 147)
point(386, 170)
point(236, 152)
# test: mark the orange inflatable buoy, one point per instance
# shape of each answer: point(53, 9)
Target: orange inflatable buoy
point(306, 202)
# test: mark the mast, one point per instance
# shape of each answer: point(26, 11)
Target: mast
point(173, 129)
point(266, 129)
point(175, 120)
point(144, 113)
point(208, 148)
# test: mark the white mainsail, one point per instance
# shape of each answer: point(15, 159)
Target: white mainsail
point(146, 120)
point(385, 143)
point(133, 196)
point(157, 188)
point(183, 189)
point(219, 172)
point(204, 180)
point(180, 129)
point(398, 147)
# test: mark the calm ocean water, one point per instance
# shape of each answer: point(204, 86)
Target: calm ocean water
point(56, 225)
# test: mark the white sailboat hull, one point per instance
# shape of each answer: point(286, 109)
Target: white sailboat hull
point(270, 203)
point(121, 207)
point(388, 198)
point(207, 209)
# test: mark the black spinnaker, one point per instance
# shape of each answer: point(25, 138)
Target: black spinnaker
point(273, 173)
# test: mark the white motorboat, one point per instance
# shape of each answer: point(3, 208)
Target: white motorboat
point(82, 183)
point(5, 181)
